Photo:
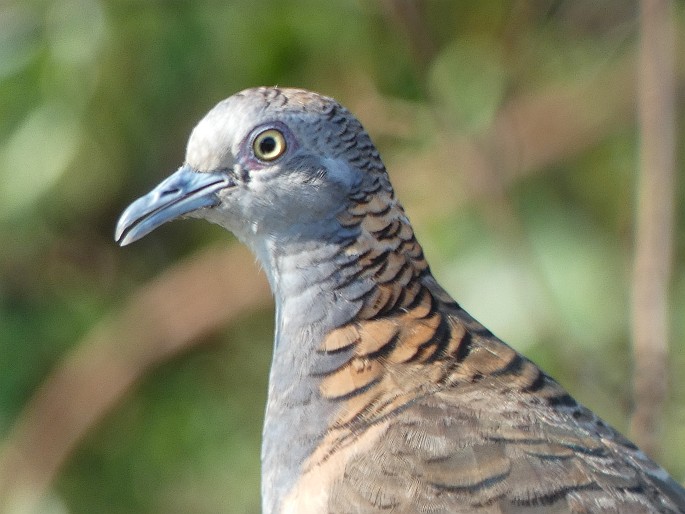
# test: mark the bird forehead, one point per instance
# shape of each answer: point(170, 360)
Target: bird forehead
point(214, 138)
point(217, 137)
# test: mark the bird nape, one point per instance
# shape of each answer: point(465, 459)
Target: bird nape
point(384, 395)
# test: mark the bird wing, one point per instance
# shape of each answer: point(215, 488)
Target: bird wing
point(436, 455)
point(464, 423)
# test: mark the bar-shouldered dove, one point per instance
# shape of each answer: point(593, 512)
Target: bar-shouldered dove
point(384, 394)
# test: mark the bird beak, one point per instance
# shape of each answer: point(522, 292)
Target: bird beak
point(183, 192)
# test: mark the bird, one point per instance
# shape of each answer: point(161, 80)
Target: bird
point(384, 394)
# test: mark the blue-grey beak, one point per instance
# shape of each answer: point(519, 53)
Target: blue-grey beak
point(182, 192)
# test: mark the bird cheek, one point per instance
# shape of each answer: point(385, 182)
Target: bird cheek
point(342, 173)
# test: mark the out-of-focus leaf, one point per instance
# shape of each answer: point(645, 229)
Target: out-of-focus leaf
point(19, 38)
point(36, 155)
point(469, 81)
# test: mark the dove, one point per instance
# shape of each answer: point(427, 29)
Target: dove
point(384, 394)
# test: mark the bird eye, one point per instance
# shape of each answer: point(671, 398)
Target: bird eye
point(269, 145)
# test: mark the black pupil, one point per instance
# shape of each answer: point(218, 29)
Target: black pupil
point(267, 145)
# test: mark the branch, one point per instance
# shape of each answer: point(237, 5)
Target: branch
point(655, 219)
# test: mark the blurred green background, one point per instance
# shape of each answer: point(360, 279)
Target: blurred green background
point(508, 128)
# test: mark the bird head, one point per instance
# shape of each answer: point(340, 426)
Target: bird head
point(267, 164)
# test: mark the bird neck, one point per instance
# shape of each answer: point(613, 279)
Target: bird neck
point(338, 300)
